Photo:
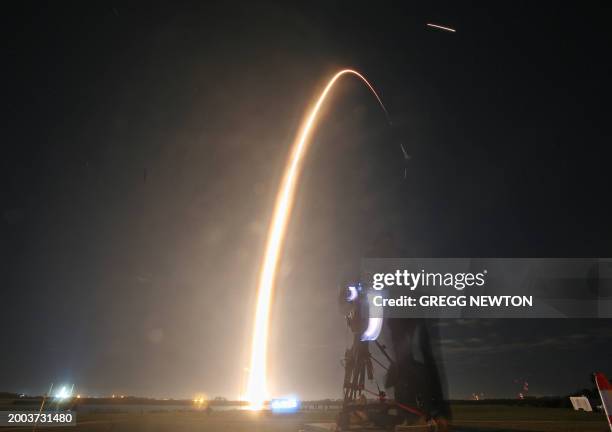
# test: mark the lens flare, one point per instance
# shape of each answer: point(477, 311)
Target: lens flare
point(256, 390)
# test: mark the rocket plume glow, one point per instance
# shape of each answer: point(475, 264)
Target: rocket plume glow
point(256, 390)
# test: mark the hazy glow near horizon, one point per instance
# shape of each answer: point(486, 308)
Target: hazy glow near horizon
point(256, 388)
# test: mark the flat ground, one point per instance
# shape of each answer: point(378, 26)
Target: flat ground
point(511, 418)
point(483, 418)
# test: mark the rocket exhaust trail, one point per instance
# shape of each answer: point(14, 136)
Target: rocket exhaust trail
point(256, 390)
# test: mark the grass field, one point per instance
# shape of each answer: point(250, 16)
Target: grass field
point(467, 418)
point(513, 418)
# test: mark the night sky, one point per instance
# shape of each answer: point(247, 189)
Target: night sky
point(143, 145)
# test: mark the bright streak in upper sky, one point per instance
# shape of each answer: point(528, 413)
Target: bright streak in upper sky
point(442, 27)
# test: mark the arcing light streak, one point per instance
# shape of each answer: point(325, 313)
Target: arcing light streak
point(373, 330)
point(351, 294)
point(375, 324)
point(442, 27)
point(256, 390)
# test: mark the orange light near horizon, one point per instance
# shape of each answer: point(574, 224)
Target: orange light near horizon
point(256, 389)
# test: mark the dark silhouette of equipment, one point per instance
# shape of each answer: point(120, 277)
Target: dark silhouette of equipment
point(381, 413)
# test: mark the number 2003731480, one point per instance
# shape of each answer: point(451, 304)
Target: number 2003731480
point(29, 418)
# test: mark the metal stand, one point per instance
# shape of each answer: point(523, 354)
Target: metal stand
point(357, 413)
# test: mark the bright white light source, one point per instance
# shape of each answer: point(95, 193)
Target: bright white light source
point(351, 294)
point(63, 393)
point(373, 330)
point(284, 405)
point(375, 325)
